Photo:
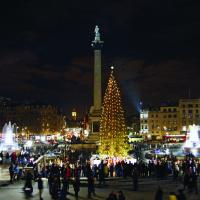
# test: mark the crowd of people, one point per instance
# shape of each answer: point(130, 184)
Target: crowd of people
point(60, 176)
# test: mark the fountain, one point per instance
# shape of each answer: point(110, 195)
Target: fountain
point(8, 142)
point(192, 143)
point(190, 147)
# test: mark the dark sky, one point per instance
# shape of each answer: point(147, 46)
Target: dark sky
point(45, 52)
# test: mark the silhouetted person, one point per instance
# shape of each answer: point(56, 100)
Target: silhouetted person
point(159, 194)
point(135, 179)
point(64, 189)
point(121, 195)
point(91, 189)
point(112, 196)
point(76, 185)
point(55, 187)
point(101, 174)
point(11, 172)
point(194, 183)
point(40, 186)
point(28, 181)
point(181, 195)
point(186, 180)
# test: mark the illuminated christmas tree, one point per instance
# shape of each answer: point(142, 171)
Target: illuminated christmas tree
point(113, 133)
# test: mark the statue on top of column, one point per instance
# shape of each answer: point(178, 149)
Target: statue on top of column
point(97, 34)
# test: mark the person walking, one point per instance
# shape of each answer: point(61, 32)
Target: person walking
point(7, 158)
point(68, 176)
point(16, 172)
point(159, 194)
point(90, 179)
point(101, 174)
point(181, 195)
point(186, 180)
point(76, 185)
point(55, 188)
point(64, 189)
point(135, 179)
point(121, 195)
point(28, 187)
point(11, 172)
point(91, 189)
point(111, 169)
point(194, 183)
point(40, 186)
point(112, 196)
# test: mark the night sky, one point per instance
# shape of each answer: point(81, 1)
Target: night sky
point(46, 54)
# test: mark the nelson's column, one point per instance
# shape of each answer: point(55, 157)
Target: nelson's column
point(95, 110)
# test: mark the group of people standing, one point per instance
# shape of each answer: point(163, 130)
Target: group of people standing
point(60, 177)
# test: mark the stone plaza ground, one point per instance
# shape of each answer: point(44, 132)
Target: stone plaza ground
point(147, 189)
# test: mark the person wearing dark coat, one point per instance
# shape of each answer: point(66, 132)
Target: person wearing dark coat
point(28, 181)
point(64, 189)
point(112, 196)
point(181, 195)
point(135, 179)
point(159, 194)
point(90, 180)
point(91, 188)
point(40, 186)
point(194, 183)
point(11, 172)
point(121, 195)
point(76, 185)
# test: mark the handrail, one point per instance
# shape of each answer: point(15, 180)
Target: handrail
point(38, 160)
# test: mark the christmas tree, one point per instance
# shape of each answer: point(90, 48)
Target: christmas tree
point(113, 133)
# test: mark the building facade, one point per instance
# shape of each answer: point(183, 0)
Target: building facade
point(170, 122)
point(33, 119)
point(189, 112)
point(144, 115)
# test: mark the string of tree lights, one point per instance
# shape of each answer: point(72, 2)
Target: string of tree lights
point(113, 133)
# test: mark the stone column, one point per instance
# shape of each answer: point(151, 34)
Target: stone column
point(97, 79)
point(95, 110)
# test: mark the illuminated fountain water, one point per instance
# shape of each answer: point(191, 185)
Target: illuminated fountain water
point(192, 143)
point(190, 147)
point(8, 139)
